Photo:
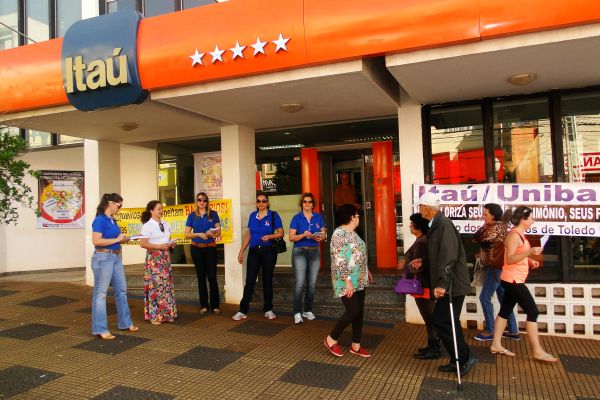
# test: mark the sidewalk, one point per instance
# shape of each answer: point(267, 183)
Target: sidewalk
point(47, 352)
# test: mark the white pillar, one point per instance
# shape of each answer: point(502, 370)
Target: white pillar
point(239, 177)
point(102, 166)
point(411, 171)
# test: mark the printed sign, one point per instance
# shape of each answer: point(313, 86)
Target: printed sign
point(560, 209)
point(129, 220)
point(61, 199)
point(208, 173)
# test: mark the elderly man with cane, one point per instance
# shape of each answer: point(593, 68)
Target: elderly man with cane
point(449, 284)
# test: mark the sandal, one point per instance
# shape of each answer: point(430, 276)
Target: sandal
point(504, 352)
point(216, 311)
point(203, 310)
point(132, 328)
point(155, 322)
point(106, 336)
point(546, 358)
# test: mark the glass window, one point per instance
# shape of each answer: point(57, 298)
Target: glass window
point(38, 139)
point(67, 13)
point(118, 5)
point(457, 145)
point(196, 3)
point(158, 7)
point(522, 144)
point(581, 146)
point(65, 139)
point(9, 15)
point(38, 20)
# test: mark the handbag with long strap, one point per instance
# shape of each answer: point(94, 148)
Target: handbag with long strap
point(279, 244)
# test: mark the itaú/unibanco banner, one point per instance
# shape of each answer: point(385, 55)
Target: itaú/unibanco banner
point(559, 209)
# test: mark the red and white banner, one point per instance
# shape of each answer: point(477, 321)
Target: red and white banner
point(559, 209)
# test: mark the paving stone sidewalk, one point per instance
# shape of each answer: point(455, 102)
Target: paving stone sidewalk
point(47, 352)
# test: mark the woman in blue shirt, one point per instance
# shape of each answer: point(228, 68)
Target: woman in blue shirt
point(264, 225)
point(203, 226)
point(307, 230)
point(108, 267)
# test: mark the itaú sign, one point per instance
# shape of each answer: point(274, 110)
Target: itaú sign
point(100, 68)
point(97, 74)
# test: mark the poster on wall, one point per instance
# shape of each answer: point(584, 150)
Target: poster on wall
point(208, 174)
point(559, 209)
point(61, 200)
point(129, 220)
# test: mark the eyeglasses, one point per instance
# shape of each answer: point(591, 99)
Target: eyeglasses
point(356, 215)
point(202, 200)
point(262, 201)
point(119, 205)
point(161, 226)
point(307, 201)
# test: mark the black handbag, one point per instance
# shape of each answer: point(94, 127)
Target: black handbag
point(279, 245)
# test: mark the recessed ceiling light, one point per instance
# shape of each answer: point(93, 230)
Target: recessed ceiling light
point(287, 133)
point(128, 126)
point(522, 79)
point(284, 146)
point(291, 107)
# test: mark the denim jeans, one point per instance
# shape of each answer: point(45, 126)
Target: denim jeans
point(491, 285)
point(306, 262)
point(205, 263)
point(108, 270)
point(265, 258)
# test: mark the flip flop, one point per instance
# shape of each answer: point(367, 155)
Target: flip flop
point(504, 352)
point(546, 358)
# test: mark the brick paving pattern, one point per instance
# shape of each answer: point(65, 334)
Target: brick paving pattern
point(47, 352)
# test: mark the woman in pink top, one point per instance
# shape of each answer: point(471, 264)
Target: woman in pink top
point(514, 273)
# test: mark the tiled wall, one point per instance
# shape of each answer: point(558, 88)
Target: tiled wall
point(565, 310)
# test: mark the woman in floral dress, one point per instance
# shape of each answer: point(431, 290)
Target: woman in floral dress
point(349, 276)
point(159, 299)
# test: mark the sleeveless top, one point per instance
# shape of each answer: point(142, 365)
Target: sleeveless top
point(517, 272)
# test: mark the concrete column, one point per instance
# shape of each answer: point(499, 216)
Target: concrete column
point(102, 166)
point(239, 185)
point(411, 171)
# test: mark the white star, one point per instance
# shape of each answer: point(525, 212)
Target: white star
point(217, 54)
point(259, 47)
point(237, 50)
point(281, 43)
point(196, 58)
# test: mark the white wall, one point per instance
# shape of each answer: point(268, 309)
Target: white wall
point(139, 185)
point(26, 248)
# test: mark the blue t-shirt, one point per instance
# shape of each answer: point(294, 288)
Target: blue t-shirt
point(202, 225)
point(301, 224)
point(108, 228)
point(261, 227)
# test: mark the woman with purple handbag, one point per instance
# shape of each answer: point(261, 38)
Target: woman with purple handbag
point(416, 269)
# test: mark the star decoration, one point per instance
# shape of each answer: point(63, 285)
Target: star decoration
point(217, 55)
point(237, 50)
point(196, 58)
point(281, 43)
point(259, 47)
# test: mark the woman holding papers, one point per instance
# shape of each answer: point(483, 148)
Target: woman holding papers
point(203, 226)
point(159, 295)
point(307, 230)
point(517, 264)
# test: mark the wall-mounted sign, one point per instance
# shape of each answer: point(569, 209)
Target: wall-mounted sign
point(100, 67)
point(61, 199)
point(208, 176)
point(559, 209)
point(269, 185)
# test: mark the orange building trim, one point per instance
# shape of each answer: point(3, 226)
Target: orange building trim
point(319, 31)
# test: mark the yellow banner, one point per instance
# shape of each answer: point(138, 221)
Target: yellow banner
point(129, 220)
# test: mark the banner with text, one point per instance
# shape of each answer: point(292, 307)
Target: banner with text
point(130, 223)
point(61, 200)
point(561, 209)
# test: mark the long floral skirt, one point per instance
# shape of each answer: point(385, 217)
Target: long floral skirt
point(159, 294)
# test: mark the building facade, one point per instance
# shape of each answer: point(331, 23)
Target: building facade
point(291, 94)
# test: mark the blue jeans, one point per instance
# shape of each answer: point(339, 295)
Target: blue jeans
point(306, 262)
point(491, 285)
point(108, 269)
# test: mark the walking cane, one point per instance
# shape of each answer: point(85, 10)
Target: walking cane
point(449, 272)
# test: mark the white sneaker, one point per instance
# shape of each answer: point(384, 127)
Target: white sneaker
point(298, 318)
point(309, 315)
point(238, 315)
point(270, 315)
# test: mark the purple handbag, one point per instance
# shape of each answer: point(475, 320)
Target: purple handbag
point(408, 286)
